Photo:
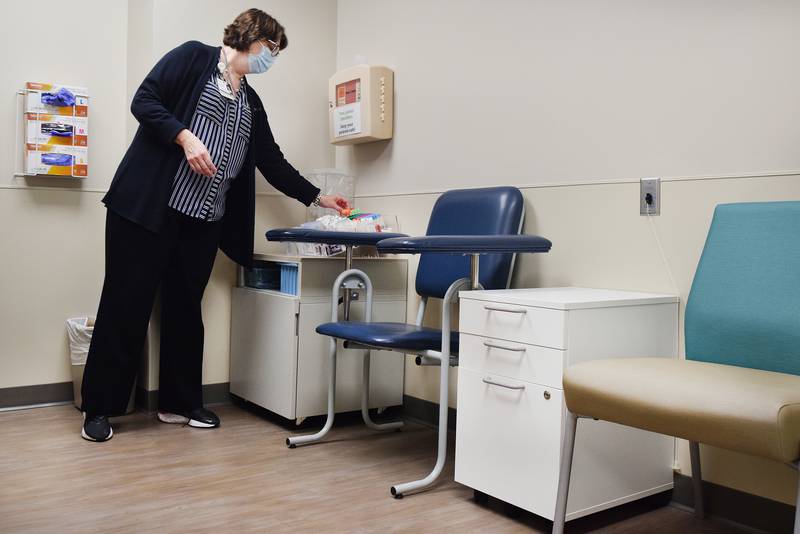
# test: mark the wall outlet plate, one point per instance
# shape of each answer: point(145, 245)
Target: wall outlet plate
point(650, 196)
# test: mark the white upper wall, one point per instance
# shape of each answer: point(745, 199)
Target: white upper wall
point(533, 91)
point(86, 48)
point(295, 90)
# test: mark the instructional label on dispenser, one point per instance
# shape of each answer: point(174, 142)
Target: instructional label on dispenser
point(347, 120)
point(347, 113)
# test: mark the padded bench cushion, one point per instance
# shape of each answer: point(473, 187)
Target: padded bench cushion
point(736, 408)
point(328, 237)
point(389, 335)
point(465, 244)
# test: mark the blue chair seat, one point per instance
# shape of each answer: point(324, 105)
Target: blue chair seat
point(400, 336)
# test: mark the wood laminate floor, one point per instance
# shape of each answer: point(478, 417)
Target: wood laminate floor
point(153, 477)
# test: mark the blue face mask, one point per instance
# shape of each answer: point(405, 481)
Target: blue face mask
point(261, 62)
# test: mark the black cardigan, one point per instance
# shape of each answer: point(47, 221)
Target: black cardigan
point(164, 105)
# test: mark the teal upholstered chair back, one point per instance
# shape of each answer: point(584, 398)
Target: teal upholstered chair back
point(744, 306)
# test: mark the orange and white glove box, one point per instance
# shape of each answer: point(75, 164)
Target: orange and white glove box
point(34, 104)
point(56, 160)
point(56, 130)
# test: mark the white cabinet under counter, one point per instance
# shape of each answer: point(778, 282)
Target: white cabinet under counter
point(514, 346)
point(279, 362)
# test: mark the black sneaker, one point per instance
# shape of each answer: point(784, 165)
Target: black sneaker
point(197, 418)
point(96, 428)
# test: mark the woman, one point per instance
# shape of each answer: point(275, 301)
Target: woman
point(185, 187)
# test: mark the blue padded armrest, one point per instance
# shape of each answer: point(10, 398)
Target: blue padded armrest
point(328, 237)
point(465, 244)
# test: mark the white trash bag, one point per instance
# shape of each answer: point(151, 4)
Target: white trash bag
point(80, 331)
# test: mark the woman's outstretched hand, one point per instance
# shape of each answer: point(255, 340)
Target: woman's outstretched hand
point(334, 202)
point(196, 153)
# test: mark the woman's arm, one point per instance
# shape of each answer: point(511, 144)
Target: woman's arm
point(149, 104)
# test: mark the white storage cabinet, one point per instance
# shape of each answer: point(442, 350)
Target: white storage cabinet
point(514, 346)
point(279, 362)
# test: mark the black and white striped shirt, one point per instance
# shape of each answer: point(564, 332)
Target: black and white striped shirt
point(223, 125)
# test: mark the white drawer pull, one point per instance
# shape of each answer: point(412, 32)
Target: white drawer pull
point(512, 349)
point(488, 380)
point(507, 310)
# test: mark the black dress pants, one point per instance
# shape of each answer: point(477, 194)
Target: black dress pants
point(180, 258)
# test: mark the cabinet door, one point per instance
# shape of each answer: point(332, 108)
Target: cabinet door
point(386, 368)
point(508, 440)
point(264, 349)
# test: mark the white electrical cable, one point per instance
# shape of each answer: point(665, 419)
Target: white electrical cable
point(663, 255)
point(675, 464)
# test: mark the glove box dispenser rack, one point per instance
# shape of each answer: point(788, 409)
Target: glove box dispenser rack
point(52, 131)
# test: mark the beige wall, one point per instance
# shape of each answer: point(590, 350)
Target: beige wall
point(532, 91)
point(52, 243)
point(574, 102)
point(52, 238)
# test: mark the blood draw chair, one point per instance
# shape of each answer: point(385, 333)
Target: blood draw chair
point(738, 387)
point(471, 242)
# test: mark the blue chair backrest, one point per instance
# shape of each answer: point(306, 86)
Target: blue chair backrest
point(487, 211)
point(744, 306)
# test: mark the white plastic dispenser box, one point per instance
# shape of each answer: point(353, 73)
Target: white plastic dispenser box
point(361, 105)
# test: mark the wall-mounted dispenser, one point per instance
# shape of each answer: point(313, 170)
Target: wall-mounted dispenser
point(360, 102)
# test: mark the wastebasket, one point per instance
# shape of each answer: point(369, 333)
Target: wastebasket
point(80, 330)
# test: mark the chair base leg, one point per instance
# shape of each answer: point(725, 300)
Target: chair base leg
point(444, 373)
point(394, 425)
point(797, 505)
point(697, 480)
point(294, 441)
point(564, 472)
point(399, 489)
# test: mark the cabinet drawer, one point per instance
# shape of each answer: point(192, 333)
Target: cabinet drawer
point(531, 363)
point(508, 440)
point(525, 324)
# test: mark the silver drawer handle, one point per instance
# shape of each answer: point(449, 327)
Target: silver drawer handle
point(507, 310)
point(489, 381)
point(512, 349)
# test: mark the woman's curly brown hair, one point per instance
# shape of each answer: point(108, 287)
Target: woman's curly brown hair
point(251, 26)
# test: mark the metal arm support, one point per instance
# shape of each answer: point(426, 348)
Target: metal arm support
point(423, 305)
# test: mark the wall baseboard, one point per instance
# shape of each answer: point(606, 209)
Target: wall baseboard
point(734, 506)
point(62, 392)
point(427, 412)
point(38, 394)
